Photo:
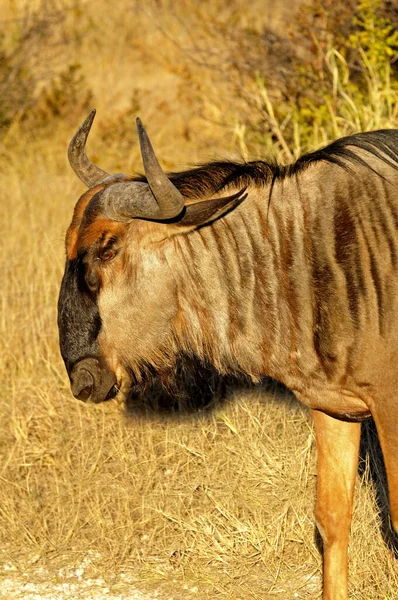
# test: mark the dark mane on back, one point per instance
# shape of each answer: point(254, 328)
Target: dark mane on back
point(212, 177)
point(382, 144)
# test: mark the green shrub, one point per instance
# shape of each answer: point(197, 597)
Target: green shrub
point(350, 87)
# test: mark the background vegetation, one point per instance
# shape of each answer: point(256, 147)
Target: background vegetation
point(217, 504)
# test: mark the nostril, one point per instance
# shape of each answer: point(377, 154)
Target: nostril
point(82, 384)
point(85, 393)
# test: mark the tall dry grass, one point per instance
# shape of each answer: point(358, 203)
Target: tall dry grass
point(221, 501)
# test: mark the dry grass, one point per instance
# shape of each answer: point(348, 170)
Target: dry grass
point(223, 500)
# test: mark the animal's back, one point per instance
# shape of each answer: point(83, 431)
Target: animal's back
point(336, 214)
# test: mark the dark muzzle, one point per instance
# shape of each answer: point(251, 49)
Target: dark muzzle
point(91, 380)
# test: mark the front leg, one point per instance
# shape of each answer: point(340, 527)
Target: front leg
point(337, 444)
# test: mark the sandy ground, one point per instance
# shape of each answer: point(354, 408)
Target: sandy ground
point(19, 588)
point(73, 583)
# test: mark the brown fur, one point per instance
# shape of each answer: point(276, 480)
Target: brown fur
point(298, 282)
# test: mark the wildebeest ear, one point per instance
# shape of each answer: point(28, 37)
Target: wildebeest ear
point(205, 212)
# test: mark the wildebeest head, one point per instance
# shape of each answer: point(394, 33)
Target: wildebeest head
point(118, 302)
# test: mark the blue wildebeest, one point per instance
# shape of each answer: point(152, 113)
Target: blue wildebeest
point(253, 268)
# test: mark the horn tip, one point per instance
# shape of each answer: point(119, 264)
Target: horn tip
point(86, 126)
point(139, 124)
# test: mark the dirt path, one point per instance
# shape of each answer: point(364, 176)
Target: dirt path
point(74, 584)
point(20, 589)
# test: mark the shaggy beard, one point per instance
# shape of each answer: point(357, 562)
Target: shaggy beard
point(188, 386)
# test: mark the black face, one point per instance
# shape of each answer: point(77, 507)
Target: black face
point(79, 324)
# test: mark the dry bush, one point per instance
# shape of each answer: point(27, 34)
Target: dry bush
point(334, 74)
point(30, 47)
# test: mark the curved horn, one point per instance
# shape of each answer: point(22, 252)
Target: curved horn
point(126, 201)
point(87, 171)
point(169, 199)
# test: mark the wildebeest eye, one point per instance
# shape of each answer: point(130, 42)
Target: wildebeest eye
point(107, 254)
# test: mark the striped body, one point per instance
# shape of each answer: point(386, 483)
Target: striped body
point(303, 290)
point(296, 279)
